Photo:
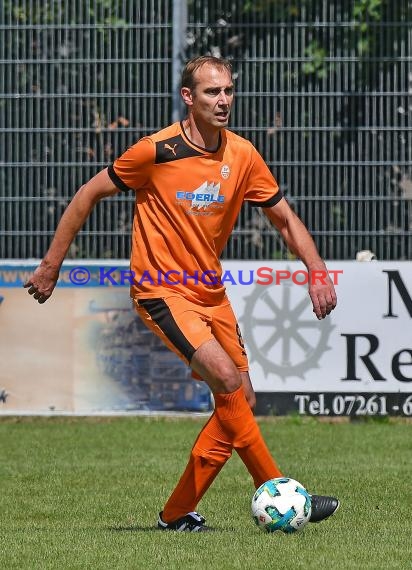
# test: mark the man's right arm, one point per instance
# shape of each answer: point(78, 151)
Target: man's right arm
point(43, 281)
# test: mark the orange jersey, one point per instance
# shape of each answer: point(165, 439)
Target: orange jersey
point(187, 203)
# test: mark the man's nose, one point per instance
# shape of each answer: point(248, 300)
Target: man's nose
point(223, 99)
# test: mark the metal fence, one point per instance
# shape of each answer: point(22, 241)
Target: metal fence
point(323, 90)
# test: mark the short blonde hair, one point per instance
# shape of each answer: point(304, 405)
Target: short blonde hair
point(188, 79)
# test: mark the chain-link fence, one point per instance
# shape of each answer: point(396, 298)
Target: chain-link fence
point(323, 90)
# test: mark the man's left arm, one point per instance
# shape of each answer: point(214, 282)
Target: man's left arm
point(300, 242)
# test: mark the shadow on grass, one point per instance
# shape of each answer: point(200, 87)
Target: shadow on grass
point(137, 528)
point(132, 528)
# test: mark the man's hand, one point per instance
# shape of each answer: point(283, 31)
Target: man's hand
point(42, 283)
point(322, 293)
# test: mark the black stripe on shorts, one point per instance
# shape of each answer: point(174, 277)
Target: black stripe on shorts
point(162, 316)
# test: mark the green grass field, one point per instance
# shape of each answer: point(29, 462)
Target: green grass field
point(85, 493)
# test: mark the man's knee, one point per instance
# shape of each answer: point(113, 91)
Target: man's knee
point(227, 379)
point(214, 365)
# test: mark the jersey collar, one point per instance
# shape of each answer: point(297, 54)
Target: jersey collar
point(188, 141)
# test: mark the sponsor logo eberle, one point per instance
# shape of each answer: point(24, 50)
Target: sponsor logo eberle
point(204, 196)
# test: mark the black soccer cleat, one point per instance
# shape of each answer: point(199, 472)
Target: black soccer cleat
point(192, 522)
point(323, 507)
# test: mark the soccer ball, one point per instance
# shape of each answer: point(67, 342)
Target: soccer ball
point(281, 504)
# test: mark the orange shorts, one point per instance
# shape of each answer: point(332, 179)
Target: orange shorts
point(183, 326)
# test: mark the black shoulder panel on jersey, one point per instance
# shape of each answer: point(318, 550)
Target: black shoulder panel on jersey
point(269, 203)
point(174, 148)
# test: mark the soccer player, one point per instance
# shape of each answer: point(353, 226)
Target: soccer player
point(190, 181)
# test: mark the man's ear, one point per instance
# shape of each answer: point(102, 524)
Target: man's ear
point(187, 95)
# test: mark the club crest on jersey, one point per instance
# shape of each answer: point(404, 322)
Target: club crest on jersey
point(225, 171)
point(204, 196)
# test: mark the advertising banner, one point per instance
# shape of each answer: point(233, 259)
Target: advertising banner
point(86, 351)
point(357, 361)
